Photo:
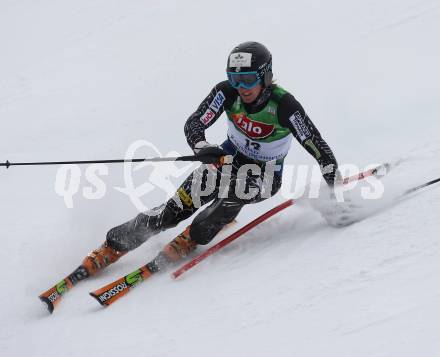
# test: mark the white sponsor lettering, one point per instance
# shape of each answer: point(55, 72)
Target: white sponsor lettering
point(249, 126)
point(217, 102)
point(113, 291)
point(214, 107)
point(240, 59)
point(53, 296)
point(300, 126)
point(207, 117)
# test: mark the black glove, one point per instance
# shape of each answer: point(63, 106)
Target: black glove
point(211, 154)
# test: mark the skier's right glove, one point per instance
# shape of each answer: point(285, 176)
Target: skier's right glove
point(211, 154)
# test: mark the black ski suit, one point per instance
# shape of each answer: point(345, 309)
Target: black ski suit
point(225, 203)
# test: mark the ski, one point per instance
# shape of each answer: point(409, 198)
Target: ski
point(418, 188)
point(53, 296)
point(110, 293)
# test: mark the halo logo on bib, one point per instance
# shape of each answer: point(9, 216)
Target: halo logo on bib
point(252, 128)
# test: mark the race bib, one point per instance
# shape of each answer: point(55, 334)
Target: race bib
point(258, 150)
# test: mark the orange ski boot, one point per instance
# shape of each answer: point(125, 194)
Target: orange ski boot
point(179, 247)
point(100, 258)
point(95, 261)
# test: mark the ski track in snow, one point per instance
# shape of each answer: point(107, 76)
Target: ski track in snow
point(86, 79)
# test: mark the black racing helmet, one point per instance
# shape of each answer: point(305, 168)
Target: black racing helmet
point(251, 57)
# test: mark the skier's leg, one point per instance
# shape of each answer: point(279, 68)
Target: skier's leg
point(207, 224)
point(201, 231)
point(211, 220)
point(132, 234)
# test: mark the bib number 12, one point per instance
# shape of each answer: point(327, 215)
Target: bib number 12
point(254, 145)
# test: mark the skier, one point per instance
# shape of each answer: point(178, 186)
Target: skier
point(262, 119)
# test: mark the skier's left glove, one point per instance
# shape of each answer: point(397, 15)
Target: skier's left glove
point(211, 154)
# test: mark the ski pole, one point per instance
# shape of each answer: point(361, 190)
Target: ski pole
point(417, 188)
point(231, 238)
point(206, 159)
point(376, 171)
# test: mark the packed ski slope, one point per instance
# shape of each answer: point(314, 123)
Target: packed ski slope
point(86, 79)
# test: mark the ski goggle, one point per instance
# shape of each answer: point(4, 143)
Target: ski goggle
point(247, 80)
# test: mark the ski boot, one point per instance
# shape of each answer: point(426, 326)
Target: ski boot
point(100, 258)
point(95, 261)
point(178, 248)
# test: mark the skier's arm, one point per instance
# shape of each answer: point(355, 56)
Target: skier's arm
point(221, 96)
point(293, 116)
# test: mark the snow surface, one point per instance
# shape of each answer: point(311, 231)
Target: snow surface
point(85, 79)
